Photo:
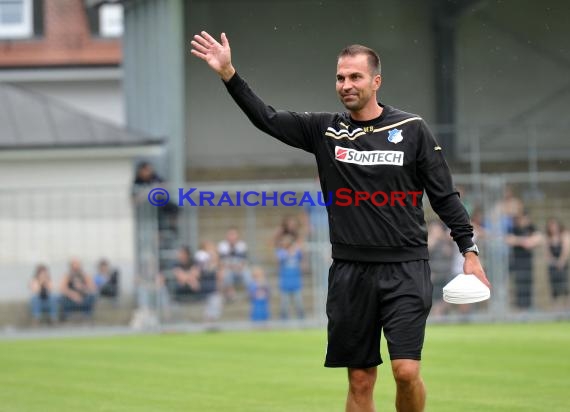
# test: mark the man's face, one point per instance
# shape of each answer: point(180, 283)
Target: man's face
point(355, 83)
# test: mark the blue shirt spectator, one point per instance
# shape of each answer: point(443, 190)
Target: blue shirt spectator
point(290, 257)
point(259, 296)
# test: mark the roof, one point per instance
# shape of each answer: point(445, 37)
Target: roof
point(30, 120)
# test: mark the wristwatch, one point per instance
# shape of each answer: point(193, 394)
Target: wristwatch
point(473, 249)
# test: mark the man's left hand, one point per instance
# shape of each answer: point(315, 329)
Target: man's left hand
point(472, 266)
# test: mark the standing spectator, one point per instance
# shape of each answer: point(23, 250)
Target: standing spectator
point(78, 291)
point(294, 227)
point(440, 252)
point(557, 253)
point(290, 226)
point(43, 297)
point(511, 204)
point(233, 257)
point(290, 256)
point(145, 178)
point(186, 274)
point(106, 280)
point(523, 239)
point(146, 175)
point(506, 211)
point(259, 296)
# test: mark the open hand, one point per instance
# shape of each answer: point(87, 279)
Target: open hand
point(217, 55)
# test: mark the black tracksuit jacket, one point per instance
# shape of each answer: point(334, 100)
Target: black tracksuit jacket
point(395, 154)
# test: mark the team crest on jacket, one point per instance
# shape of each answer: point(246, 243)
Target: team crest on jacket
point(395, 136)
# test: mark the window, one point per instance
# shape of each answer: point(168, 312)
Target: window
point(111, 20)
point(106, 20)
point(16, 19)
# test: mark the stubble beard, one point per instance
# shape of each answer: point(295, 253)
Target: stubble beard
point(355, 105)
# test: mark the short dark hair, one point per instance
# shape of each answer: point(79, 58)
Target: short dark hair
point(373, 58)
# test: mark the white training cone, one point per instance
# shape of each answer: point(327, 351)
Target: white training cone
point(465, 289)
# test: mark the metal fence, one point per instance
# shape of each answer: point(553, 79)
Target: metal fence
point(516, 141)
point(158, 287)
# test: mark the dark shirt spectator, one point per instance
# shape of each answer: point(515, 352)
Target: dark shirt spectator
point(106, 279)
point(523, 239)
point(186, 274)
point(557, 253)
point(208, 261)
point(78, 291)
point(145, 178)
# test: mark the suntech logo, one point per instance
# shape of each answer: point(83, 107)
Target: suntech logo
point(341, 153)
point(373, 157)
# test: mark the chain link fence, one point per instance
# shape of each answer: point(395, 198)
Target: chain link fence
point(229, 257)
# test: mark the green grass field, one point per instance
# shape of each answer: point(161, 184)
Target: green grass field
point(508, 368)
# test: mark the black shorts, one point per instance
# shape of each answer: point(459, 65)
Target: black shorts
point(365, 299)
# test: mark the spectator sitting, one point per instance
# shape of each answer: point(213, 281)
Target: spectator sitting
point(43, 298)
point(233, 258)
point(259, 296)
point(78, 291)
point(290, 256)
point(106, 280)
point(208, 261)
point(186, 275)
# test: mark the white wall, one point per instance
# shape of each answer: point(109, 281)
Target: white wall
point(52, 210)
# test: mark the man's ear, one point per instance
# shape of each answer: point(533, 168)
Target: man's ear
point(377, 81)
